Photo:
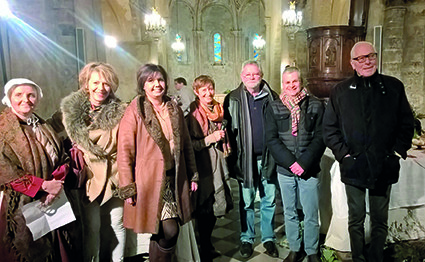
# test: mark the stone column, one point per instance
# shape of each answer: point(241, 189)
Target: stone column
point(392, 49)
point(237, 58)
point(154, 46)
point(197, 47)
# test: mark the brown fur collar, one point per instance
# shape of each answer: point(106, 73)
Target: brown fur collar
point(18, 149)
point(153, 126)
point(76, 109)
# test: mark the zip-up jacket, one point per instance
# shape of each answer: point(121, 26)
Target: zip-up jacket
point(307, 147)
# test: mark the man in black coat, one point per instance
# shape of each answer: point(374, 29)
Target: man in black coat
point(250, 162)
point(368, 124)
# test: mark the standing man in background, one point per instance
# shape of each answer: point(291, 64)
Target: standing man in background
point(250, 162)
point(368, 124)
point(182, 94)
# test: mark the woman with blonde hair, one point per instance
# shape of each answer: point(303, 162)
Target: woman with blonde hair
point(91, 118)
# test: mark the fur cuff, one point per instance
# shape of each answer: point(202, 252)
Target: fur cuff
point(127, 191)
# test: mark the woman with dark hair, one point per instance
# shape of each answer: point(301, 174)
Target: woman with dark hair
point(91, 117)
point(156, 164)
point(209, 139)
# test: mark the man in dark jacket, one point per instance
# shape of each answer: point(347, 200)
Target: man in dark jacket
point(250, 162)
point(368, 124)
point(294, 138)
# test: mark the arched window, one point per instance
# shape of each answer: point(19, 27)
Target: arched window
point(217, 48)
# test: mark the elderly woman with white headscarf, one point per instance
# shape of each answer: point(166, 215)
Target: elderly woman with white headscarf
point(32, 167)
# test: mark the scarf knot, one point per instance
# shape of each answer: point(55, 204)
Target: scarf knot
point(292, 103)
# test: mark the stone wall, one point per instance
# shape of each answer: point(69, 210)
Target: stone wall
point(43, 48)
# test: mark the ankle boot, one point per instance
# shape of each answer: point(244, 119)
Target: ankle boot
point(160, 254)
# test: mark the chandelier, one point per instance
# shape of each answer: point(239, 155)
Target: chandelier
point(155, 24)
point(258, 42)
point(292, 20)
point(178, 46)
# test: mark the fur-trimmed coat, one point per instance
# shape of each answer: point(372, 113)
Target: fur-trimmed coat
point(97, 138)
point(141, 145)
point(22, 154)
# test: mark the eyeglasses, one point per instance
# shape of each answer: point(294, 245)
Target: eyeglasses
point(362, 58)
point(255, 75)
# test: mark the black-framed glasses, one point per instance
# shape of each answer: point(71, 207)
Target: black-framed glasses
point(362, 58)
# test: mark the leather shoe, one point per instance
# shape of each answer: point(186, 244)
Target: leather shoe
point(313, 258)
point(294, 257)
point(246, 249)
point(271, 249)
point(209, 255)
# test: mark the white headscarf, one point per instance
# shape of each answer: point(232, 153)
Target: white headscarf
point(17, 82)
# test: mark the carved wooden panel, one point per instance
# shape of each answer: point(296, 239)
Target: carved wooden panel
point(329, 50)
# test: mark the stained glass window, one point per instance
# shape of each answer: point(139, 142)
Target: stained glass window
point(217, 48)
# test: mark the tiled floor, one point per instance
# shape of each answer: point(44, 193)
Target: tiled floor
point(226, 234)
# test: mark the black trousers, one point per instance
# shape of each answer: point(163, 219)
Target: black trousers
point(379, 199)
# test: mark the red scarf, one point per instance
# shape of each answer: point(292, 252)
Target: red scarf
point(292, 103)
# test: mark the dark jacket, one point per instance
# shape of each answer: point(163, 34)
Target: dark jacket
point(307, 147)
point(236, 112)
point(371, 144)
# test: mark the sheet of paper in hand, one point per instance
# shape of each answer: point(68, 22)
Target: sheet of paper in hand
point(42, 219)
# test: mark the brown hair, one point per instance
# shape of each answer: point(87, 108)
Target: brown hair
point(181, 80)
point(201, 81)
point(146, 71)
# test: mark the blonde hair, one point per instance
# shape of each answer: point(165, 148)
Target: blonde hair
point(106, 70)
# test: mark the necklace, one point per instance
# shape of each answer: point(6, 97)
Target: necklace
point(32, 121)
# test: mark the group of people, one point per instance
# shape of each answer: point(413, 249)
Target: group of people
point(150, 166)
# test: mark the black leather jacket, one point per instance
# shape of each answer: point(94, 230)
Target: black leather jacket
point(238, 125)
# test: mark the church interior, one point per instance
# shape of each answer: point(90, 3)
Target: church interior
point(49, 41)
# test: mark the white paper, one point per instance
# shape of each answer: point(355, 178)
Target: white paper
point(42, 220)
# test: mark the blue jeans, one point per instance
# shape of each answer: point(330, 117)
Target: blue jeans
point(379, 199)
point(291, 188)
point(267, 190)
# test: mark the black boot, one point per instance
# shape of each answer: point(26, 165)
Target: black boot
point(160, 254)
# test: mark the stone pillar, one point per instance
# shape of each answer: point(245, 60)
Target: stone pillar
point(197, 47)
point(237, 43)
point(392, 49)
point(154, 56)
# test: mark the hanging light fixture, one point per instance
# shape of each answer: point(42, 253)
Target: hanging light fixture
point(155, 24)
point(258, 43)
point(178, 46)
point(292, 20)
